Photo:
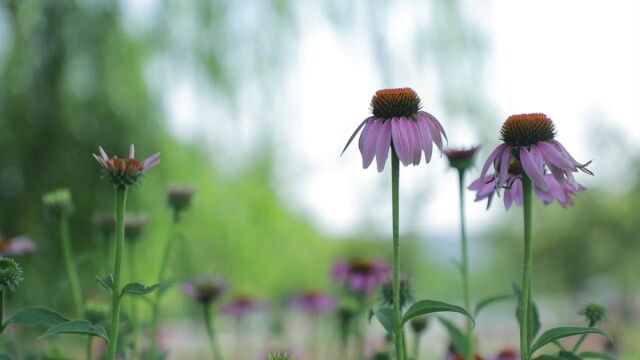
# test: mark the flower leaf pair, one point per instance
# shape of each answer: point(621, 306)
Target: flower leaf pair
point(131, 288)
point(56, 323)
point(422, 307)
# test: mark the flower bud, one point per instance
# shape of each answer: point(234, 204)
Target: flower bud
point(58, 202)
point(594, 313)
point(10, 274)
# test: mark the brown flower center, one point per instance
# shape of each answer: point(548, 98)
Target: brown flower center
point(389, 103)
point(5, 244)
point(361, 267)
point(128, 166)
point(527, 129)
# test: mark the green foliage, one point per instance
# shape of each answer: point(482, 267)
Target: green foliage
point(80, 327)
point(139, 289)
point(106, 282)
point(386, 319)
point(35, 316)
point(489, 301)
point(554, 334)
point(424, 307)
point(595, 355)
point(534, 315)
point(458, 338)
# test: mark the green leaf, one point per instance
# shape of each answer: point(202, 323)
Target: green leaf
point(82, 327)
point(534, 320)
point(563, 332)
point(385, 317)
point(548, 357)
point(138, 289)
point(458, 338)
point(424, 307)
point(490, 300)
point(596, 355)
point(567, 355)
point(35, 316)
point(5, 356)
point(106, 281)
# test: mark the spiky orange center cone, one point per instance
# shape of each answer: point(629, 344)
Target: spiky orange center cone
point(390, 103)
point(527, 129)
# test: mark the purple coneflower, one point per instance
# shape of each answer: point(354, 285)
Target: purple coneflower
point(529, 138)
point(17, 246)
point(399, 124)
point(179, 197)
point(361, 276)
point(205, 290)
point(134, 225)
point(242, 305)
point(507, 354)
point(406, 295)
point(125, 172)
point(313, 302)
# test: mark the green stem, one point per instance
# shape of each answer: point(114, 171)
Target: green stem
point(121, 201)
point(70, 265)
point(465, 268)
point(89, 348)
point(416, 346)
point(577, 345)
point(208, 322)
point(525, 301)
point(1, 310)
point(132, 300)
point(395, 180)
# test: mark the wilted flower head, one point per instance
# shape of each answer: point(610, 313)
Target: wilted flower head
point(58, 202)
point(461, 158)
point(594, 313)
point(134, 225)
point(406, 295)
point(241, 306)
point(125, 172)
point(529, 139)
point(205, 290)
point(10, 274)
point(398, 124)
point(313, 302)
point(507, 354)
point(361, 276)
point(17, 246)
point(105, 223)
point(419, 324)
point(179, 197)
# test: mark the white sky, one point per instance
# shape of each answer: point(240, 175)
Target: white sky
point(573, 60)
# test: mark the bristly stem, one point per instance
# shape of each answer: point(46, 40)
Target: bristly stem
point(525, 301)
point(121, 201)
point(395, 180)
point(70, 265)
point(208, 322)
point(464, 267)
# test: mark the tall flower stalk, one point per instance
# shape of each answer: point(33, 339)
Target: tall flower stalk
point(207, 291)
point(462, 160)
point(122, 173)
point(400, 127)
point(529, 160)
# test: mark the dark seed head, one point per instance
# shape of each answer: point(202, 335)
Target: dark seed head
point(527, 129)
point(389, 103)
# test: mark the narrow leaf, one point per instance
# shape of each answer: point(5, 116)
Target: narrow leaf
point(385, 317)
point(567, 355)
point(35, 316)
point(491, 300)
point(82, 327)
point(563, 332)
point(596, 355)
point(534, 315)
point(106, 281)
point(138, 289)
point(424, 307)
point(458, 338)
point(548, 357)
point(5, 356)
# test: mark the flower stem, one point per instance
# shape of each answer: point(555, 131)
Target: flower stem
point(395, 180)
point(577, 345)
point(121, 201)
point(525, 300)
point(208, 322)
point(416, 346)
point(70, 265)
point(133, 317)
point(464, 266)
point(1, 309)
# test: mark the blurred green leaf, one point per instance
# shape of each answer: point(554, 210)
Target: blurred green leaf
point(106, 281)
point(424, 307)
point(567, 355)
point(554, 334)
point(458, 338)
point(534, 321)
point(385, 317)
point(35, 316)
point(139, 289)
point(491, 300)
point(596, 355)
point(5, 356)
point(82, 327)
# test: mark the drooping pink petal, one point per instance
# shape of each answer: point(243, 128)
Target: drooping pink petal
point(553, 155)
point(566, 154)
point(354, 134)
point(415, 143)
point(437, 124)
point(497, 152)
point(99, 159)
point(363, 134)
point(151, 162)
point(383, 144)
point(434, 132)
point(368, 141)
point(533, 170)
point(401, 140)
point(505, 162)
point(425, 137)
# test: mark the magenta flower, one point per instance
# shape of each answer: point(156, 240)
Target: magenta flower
point(398, 124)
point(313, 302)
point(17, 246)
point(205, 290)
point(461, 158)
point(529, 148)
point(242, 305)
point(507, 354)
point(125, 172)
point(361, 276)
